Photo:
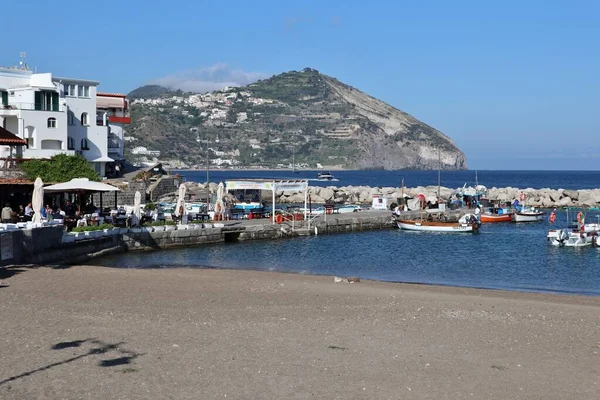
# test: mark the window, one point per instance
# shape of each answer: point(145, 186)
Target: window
point(84, 119)
point(84, 91)
point(4, 98)
point(84, 144)
point(51, 122)
point(69, 90)
point(71, 117)
point(70, 143)
point(46, 101)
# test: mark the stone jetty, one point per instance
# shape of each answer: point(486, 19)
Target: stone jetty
point(546, 198)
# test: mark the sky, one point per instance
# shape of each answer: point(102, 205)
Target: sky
point(516, 84)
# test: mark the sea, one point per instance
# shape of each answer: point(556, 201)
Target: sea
point(505, 256)
point(450, 179)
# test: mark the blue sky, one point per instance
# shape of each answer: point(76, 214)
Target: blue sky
point(515, 84)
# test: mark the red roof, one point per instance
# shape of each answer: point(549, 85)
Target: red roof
point(8, 138)
point(111, 94)
point(15, 181)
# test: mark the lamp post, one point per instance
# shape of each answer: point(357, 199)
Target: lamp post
point(207, 169)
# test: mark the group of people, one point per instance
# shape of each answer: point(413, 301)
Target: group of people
point(25, 214)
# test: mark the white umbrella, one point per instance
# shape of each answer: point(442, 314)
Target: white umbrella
point(219, 205)
point(37, 201)
point(137, 211)
point(180, 207)
point(81, 184)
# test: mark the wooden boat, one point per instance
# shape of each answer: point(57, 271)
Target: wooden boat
point(488, 217)
point(529, 214)
point(466, 224)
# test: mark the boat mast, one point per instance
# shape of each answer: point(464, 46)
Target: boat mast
point(293, 157)
point(439, 173)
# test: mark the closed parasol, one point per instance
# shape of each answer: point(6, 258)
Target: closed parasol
point(37, 200)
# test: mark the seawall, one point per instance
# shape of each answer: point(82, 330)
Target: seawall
point(50, 245)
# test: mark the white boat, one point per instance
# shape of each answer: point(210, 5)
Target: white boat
point(566, 238)
point(325, 176)
point(466, 224)
point(528, 214)
point(348, 208)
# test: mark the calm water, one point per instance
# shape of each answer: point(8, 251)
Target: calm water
point(503, 256)
point(451, 179)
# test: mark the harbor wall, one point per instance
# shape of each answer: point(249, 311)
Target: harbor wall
point(47, 245)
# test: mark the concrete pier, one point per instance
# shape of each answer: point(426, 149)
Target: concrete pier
point(51, 245)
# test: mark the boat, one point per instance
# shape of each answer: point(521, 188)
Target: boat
point(566, 238)
point(466, 224)
point(325, 176)
point(527, 214)
point(501, 216)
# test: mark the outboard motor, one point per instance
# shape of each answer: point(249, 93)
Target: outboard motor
point(563, 235)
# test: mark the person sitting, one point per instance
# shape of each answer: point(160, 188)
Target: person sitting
point(7, 214)
point(28, 212)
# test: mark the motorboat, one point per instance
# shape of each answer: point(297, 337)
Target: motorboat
point(325, 176)
point(348, 208)
point(501, 215)
point(527, 214)
point(566, 238)
point(468, 223)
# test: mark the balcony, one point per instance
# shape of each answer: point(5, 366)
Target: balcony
point(10, 167)
point(34, 107)
point(119, 120)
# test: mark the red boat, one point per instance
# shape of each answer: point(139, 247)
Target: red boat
point(496, 217)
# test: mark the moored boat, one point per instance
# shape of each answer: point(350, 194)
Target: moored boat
point(466, 224)
point(490, 218)
point(527, 214)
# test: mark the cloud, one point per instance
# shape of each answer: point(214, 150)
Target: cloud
point(206, 79)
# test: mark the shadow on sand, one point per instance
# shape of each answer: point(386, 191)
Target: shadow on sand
point(98, 348)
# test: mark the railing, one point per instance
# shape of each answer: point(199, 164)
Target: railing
point(33, 107)
point(10, 167)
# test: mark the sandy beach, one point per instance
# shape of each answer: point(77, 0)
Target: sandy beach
point(100, 333)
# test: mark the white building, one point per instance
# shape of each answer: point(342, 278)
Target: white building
point(112, 109)
point(143, 151)
point(55, 115)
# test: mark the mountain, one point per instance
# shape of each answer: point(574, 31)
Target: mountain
point(302, 115)
point(148, 91)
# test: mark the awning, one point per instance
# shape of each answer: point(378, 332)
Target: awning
point(103, 159)
point(7, 138)
point(81, 184)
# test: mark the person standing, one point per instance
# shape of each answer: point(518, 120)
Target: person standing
point(7, 214)
point(69, 209)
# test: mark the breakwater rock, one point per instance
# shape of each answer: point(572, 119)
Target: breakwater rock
point(546, 198)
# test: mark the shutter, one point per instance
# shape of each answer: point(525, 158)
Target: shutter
point(54, 101)
point(38, 101)
point(5, 98)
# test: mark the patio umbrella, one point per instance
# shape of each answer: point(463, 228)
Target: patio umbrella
point(219, 205)
point(37, 201)
point(180, 206)
point(137, 211)
point(81, 185)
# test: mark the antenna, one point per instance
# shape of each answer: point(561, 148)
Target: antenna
point(22, 63)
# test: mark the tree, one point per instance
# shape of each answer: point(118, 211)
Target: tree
point(231, 116)
point(60, 168)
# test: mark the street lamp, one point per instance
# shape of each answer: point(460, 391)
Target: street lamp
point(207, 169)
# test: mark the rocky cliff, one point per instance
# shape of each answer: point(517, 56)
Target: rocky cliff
point(303, 116)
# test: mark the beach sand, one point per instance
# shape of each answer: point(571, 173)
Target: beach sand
point(100, 333)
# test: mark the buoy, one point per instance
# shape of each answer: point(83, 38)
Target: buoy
point(279, 218)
